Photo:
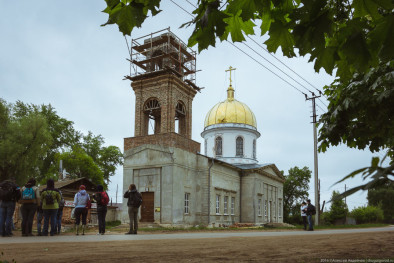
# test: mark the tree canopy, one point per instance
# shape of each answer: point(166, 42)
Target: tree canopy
point(352, 40)
point(295, 190)
point(33, 139)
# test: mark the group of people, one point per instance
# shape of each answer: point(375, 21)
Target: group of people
point(307, 211)
point(48, 204)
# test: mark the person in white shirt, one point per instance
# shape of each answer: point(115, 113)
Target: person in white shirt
point(303, 214)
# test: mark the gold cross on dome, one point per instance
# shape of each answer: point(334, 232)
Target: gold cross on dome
point(230, 69)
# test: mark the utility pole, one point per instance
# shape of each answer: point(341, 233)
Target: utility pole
point(313, 98)
point(116, 199)
point(345, 196)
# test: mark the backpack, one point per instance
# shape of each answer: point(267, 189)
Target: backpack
point(28, 194)
point(61, 203)
point(102, 198)
point(313, 210)
point(49, 198)
point(6, 191)
point(136, 199)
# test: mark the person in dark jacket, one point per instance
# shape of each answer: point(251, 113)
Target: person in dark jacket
point(309, 212)
point(133, 203)
point(7, 206)
point(29, 200)
point(102, 199)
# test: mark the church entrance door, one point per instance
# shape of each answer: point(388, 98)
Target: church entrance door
point(147, 207)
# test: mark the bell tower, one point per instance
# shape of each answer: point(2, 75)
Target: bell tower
point(164, 85)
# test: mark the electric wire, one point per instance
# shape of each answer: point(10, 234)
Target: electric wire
point(268, 69)
point(265, 60)
point(276, 67)
point(191, 4)
point(182, 8)
point(266, 50)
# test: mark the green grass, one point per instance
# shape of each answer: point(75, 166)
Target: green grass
point(343, 226)
point(202, 228)
point(113, 223)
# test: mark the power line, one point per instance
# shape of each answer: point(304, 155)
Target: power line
point(272, 55)
point(191, 3)
point(182, 8)
point(277, 67)
point(268, 69)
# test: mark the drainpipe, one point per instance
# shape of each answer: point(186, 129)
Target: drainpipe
point(209, 191)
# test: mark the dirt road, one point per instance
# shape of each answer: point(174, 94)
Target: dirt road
point(305, 248)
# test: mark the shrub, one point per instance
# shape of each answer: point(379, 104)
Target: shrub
point(367, 214)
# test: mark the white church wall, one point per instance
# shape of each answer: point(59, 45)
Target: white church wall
point(229, 135)
point(225, 182)
point(257, 187)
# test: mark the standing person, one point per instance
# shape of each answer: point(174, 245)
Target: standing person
point(59, 214)
point(50, 204)
point(310, 210)
point(102, 200)
point(303, 214)
point(133, 203)
point(9, 194)
point(29, 200)
point(81, 201)
point(40, 216)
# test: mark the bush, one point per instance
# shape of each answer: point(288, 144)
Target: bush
point(367, 214)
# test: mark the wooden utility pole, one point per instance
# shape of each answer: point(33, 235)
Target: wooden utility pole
point(313, 98)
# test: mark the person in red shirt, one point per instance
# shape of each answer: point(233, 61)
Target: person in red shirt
point(102, 199)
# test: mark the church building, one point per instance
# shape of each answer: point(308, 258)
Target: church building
point(180, 185)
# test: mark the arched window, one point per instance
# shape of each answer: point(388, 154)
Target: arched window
point(152, 113)
point(206, 146)
point(239, 147)
point(219, 146)
point(180, 118)
point(254, 149)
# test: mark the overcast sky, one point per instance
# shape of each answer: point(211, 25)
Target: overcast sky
point(55, 52)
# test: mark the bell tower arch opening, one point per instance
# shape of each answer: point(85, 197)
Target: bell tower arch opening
point(180, 118)
point(151, 117)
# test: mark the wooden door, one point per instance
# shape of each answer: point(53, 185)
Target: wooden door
point(147, 207)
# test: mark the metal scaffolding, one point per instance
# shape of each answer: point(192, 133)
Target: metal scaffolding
point(159, 51)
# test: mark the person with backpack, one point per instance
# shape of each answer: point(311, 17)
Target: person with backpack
point(133, 203)
point(50, 204)
point(102, 199)
point(81, 203)
point(303, 214)
point(310, 211)
point(30, 197)
point(9, 195)
point(59, 215)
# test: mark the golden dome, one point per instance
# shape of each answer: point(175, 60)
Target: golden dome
point(230, 111)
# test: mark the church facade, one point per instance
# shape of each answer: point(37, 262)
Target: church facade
point(179, 184)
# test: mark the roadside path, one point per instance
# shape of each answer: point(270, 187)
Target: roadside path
point(170, 236)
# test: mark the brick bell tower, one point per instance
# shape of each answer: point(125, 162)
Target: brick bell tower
point(164, 84)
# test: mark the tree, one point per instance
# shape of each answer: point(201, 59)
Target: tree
point(107, 158)
point(295, 190)
point(24, 142)
point(34, 138)
point(384, 198)
point(62, 132)
point(80, 164)
point(351, 40)
point(338, 209)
